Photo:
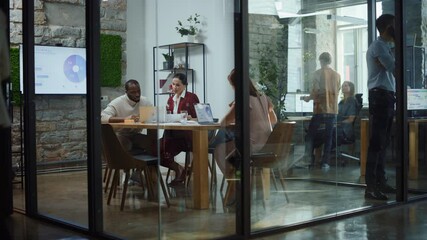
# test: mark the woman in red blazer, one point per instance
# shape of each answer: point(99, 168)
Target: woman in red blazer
point(176, 141)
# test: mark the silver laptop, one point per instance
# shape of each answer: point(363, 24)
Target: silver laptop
point(148, 114)
point(204, 113)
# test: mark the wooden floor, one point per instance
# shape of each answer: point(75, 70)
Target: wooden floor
point(404, 222)
point(311, 194)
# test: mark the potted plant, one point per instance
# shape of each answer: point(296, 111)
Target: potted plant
point(191, 28)
point(168, 63)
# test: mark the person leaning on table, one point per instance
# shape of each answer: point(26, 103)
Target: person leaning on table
point(127, 107)
point(382, 86)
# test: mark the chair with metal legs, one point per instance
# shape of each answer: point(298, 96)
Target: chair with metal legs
point(120, 160)
point(274, 155)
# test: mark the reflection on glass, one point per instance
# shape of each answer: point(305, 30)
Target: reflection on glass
point(286, 41)
point(61, 157)
point(172, 72)
point(60, 103)
point(415, 80)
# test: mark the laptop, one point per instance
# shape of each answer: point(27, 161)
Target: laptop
point(148, 114)
point(204, 113)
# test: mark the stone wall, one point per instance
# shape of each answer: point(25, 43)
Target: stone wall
point(269, 37)
point(61, 131)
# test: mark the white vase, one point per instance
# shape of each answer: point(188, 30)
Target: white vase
point(191, 38)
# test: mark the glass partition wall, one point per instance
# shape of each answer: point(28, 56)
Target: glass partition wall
point(60, 111)
point(294, 60)
point(287, 42)
point(415, 88)
point(189, 184)
point(168, 59)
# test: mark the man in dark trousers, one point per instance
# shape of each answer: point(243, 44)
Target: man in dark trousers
point(382, 86)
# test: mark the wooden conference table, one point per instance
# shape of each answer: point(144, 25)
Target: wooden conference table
point(413, 145)
point(200, 154)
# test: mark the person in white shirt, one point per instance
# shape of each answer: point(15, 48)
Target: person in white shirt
point(127, 107)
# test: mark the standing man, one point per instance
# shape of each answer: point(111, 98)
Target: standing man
point(127, 107)
point(381, 85)
point(324, 93)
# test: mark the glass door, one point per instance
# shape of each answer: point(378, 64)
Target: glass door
point(415, 88)
point(180, 54)
point(60, 111)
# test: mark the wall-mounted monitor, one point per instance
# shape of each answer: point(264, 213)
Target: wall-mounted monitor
point(293, 103)
point(58, 70)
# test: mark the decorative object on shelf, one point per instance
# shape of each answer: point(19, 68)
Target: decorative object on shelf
point(191, 38)
point(191, 29)
point(182, 65)
point(168, 63)
point(184, 53)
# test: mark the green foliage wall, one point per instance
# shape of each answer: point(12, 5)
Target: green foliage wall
point(14, 74)
point(111, 60)
point(111, 64)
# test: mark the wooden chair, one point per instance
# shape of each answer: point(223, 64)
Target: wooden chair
point(273, 156)
point(118, 159)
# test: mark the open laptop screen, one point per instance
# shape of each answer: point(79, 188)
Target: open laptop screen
point(204, 113)
point(150, 114)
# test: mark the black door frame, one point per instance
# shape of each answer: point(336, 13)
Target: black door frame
point(6, 188)
point(93, 119)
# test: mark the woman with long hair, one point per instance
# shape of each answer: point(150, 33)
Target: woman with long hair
point(347, 112)
point(177, 141)
point(262, 119)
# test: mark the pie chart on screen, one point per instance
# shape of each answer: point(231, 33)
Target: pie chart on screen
point(75, 68)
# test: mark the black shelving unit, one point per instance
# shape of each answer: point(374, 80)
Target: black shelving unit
point(189, 72)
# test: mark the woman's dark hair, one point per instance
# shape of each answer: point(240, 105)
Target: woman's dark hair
point(181, 77)
point(252, 90)
point(352, 89)
point(383, 22)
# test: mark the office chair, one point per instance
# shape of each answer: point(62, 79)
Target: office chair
point(318, 139)
point(351, 142)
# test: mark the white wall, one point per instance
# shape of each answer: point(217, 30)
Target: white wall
point(144, 32)
point(135, 43)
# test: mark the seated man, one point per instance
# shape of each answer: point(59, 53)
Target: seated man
point(127, 107)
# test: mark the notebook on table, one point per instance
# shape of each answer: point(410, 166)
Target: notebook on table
point(204, 113)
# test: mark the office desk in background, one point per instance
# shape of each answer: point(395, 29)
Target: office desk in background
point(200, 154)
point(413, 145)
point(306, 120)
